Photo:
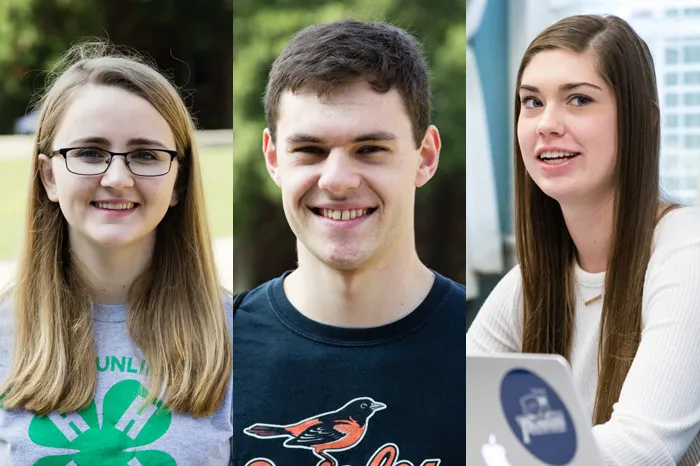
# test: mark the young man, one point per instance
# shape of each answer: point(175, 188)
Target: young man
point(357, 356)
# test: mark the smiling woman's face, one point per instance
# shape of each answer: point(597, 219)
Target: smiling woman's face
point(116, 208)
point(567, 127)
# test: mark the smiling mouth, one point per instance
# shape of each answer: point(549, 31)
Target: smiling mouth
point(341, 215)
point(556, 157)
point(115, 205)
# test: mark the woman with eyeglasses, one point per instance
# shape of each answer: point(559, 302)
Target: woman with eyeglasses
point(115, 339)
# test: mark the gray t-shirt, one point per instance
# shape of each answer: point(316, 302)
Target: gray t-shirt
point(112, 430)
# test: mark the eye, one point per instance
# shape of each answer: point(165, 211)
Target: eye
point(364, 405)
point(370, 149)
point(530, 102)
point(143, 155)
point(309, 150)
point(580, 100)
point(89, 153)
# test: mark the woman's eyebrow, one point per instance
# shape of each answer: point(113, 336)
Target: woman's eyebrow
point(562, 87)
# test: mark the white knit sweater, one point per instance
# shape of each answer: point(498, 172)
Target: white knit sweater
point(657, 417)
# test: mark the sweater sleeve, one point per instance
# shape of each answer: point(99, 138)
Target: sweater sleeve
point(657, 415)
point(497, 327)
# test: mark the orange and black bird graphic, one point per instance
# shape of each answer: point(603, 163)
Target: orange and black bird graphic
point(332, 431)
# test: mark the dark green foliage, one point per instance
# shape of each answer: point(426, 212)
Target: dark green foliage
point(189, 41)
point(264, 246)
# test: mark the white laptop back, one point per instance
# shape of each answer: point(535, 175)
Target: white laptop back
point(522, 410)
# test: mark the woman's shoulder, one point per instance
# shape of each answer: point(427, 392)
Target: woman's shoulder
point(227, 299)
point(6, 312)
point(507, 294)
point(676, 249)
point(680, 226)
point(6, 332)
point(511, 281)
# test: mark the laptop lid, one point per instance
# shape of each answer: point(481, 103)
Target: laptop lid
point(522, 410)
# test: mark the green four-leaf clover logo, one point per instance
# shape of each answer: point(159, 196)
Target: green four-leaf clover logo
point(126, 424)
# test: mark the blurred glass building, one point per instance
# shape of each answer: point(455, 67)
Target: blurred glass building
point(671, 29)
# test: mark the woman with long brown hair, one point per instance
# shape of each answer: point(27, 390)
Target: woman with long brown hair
point(608, 274)
point(115, 339)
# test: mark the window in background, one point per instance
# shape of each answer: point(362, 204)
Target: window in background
point(671, 29)
point(680, 125)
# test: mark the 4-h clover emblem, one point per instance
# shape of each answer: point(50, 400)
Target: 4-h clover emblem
point(125, 425)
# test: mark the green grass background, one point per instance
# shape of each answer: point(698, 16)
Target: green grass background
point(217, 174)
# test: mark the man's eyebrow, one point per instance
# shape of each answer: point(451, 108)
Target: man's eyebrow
point(562, 88)
point(300, 137)
point(375, 136)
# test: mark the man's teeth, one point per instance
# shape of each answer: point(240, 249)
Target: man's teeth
point(556, 155)
point(112, 206)
point(343, 214)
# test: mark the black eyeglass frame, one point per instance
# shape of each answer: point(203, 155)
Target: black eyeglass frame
point(173, 154)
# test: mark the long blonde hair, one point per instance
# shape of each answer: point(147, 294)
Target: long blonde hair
point(545, 249)
point(175, 314)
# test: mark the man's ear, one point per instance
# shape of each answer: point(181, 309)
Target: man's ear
point(270, 152)
point(47, 177)
point(429, 152)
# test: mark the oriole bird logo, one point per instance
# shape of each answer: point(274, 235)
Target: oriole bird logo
point(332, 431)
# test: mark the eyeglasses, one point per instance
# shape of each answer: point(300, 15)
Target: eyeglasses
point(93, 161)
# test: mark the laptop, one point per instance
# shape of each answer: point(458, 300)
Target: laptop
point(523, 410)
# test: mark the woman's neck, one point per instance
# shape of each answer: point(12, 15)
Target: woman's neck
point(110, 272)
point(590, 227)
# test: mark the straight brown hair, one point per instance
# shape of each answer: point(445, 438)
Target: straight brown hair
point(545, 249)
point(175, 314)
point(323, 57)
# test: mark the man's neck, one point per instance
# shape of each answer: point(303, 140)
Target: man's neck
point(370, 296)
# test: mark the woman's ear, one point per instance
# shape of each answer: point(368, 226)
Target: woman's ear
point(175, 198)
point(47, 177)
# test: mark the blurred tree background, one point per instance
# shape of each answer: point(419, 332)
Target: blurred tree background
point(190, 41)
point(264, 246)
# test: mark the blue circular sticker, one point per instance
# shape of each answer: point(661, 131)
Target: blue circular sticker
point(538, 417)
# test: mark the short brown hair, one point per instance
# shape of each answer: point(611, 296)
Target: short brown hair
point(325, 56)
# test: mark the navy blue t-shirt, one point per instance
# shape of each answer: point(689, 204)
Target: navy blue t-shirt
point(305, 393)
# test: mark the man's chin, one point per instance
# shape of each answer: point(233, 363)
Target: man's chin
point(345, 260)
point(346, 255)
